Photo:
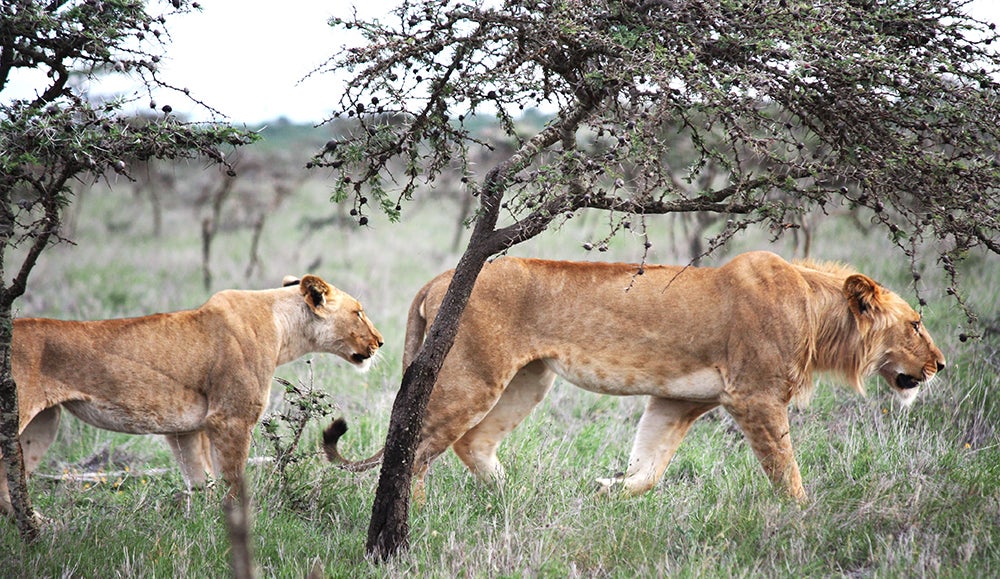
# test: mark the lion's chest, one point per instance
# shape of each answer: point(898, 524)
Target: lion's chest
point(705, 384)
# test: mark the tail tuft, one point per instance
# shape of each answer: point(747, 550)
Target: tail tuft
point(333, 432)
point(331, 436)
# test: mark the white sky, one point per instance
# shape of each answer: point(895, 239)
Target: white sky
point(246, 58)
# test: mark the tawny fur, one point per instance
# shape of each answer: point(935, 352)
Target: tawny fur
point(748, 336)
point(202, 377)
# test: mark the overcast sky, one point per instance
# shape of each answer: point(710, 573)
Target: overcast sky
point(247, 58)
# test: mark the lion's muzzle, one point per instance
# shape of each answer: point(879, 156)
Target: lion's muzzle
point(361, 357)
point(907, 382)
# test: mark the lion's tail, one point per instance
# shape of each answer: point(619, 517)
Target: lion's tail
point(331, 435)
point(416, 325)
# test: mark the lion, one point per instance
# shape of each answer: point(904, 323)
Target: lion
point(747, 336)
point(201, 377)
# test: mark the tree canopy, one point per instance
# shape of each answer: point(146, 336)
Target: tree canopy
point(889, 107)
point(60, 134)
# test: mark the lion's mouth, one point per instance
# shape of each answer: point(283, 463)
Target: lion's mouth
point(359, 358)
point(906, 382)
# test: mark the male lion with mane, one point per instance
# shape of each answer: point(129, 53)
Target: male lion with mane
point(747, 336)
point(201, 377)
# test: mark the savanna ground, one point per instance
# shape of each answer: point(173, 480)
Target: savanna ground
point(894, 492)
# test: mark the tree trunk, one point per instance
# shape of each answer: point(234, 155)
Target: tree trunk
point(10, 446)
point(388, 530)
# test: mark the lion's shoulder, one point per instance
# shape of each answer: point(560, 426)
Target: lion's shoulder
point(836, 268)
point(773, 273)
point(760, 261)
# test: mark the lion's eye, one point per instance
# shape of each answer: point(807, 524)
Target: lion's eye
point(361, 314)
point(916, 326)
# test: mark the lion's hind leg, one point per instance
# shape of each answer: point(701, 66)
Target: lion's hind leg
point(460, 401)
point(478, 447)
point(36, 438)
point(661, 429)
point(193, 453)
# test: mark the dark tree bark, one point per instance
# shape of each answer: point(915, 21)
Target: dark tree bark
point(10, 445)
point(388, 531)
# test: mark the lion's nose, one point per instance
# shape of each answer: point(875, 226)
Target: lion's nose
point(940, 366)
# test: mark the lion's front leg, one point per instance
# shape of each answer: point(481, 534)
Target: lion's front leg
point(766, 426)
point(661, 429)
point(230, 443)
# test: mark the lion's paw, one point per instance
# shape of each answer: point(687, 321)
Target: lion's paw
point(609, 486)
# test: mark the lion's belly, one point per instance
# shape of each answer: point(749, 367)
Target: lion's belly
point(701, 385)
point(164, 417)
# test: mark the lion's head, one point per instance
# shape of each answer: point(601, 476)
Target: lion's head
point(897, 344)
point(344, 328)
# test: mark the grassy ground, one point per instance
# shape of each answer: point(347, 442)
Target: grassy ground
point(893, 492)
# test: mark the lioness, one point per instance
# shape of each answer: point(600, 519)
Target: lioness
point(201, 377)
point(747, 336)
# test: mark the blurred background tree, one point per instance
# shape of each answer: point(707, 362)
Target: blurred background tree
point(887, 107)
point(60, 136)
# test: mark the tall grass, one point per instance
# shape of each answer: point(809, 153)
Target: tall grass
point(893, 492)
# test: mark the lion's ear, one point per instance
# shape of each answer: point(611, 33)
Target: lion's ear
point(289, 280)
point(314, 290)
point(863, 294)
